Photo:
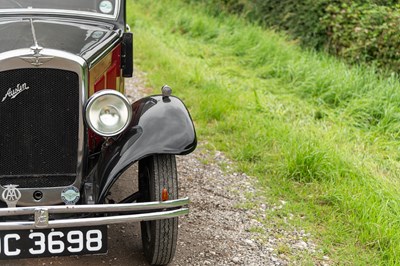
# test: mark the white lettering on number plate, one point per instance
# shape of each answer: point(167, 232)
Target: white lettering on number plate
point(49, 242)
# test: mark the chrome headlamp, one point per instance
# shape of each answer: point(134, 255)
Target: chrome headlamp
point(108, 113)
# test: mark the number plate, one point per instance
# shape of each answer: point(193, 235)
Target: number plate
point(53, 242)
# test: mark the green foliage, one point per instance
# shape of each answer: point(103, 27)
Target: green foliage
point(307, 162)
point(365, 33)
point(318, 134)
point(301, 19)
point(361, 31)
point(218, 6)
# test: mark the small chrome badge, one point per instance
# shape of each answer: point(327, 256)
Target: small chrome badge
point(41, 217)
point(70, 195)
point(11, 195)
point(12, 93)
point(36, 59)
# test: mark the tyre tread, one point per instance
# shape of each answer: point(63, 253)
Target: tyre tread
point(166, 231)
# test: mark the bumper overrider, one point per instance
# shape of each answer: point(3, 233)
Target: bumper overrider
point(99, 214)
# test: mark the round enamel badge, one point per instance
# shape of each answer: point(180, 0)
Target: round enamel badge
point(70, 195)
point(106, 7)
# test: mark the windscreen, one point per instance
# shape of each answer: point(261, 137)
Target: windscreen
point(97, 8)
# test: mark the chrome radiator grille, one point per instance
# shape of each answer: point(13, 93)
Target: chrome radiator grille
point(39, 124)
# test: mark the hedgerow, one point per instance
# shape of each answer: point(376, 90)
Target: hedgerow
point(361, 31)
point(364, 33)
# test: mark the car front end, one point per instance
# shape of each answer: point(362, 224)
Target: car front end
point(68, 133)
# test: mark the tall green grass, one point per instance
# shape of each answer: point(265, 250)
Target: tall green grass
point(317, 133)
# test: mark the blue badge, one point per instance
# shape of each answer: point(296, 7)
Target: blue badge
point(70, 195)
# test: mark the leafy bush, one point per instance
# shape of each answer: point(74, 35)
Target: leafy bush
point(301, 19)
point(360, 31)
point(365, 33)
point(217, 6)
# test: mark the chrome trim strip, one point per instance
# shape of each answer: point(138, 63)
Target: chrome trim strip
point(66, 61)
point(48, 11)
point(33, 33)
point(104, 52)
point(92, 221)
point(97, 208)
point(97, 220)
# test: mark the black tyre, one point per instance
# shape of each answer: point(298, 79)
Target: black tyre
point(158, 237)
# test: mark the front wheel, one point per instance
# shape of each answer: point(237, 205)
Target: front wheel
point(157, 173)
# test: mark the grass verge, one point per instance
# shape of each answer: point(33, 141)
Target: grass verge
point(318, 134)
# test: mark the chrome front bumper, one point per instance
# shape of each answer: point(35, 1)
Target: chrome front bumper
point(146, 211)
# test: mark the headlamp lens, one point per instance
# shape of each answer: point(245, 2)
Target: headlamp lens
point(108, 113)
point(109, 116)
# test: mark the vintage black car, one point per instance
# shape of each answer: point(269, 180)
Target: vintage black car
point(68, 132)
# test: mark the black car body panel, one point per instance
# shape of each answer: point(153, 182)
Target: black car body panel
point(79, 37)
point(161, 125)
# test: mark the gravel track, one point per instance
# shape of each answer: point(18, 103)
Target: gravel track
point(218, 231)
